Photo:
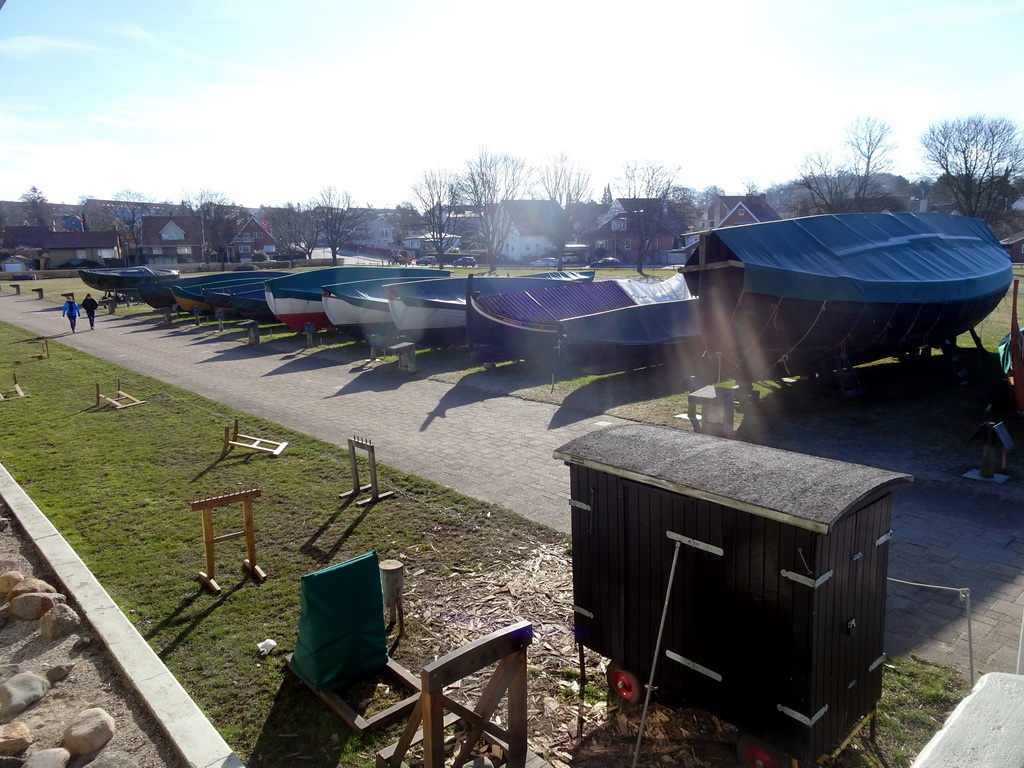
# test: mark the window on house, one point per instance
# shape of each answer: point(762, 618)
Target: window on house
point(157, 250)
point(270, 249)
point(184, 250)
point(739, 211)
point(627, 245)
point(80, 253)
point(385, 233)
point(245, 249)
point(602, 244)
point(618, 225)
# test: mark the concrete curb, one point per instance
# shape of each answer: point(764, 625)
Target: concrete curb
point(184, 724)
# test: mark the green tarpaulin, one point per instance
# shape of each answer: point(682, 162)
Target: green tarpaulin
point(342, 638)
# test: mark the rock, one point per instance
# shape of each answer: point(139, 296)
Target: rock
point(4, 524)
point(8, 581)
point(112, 759)
point(58, 757)
point(81, 644)
point(89, 731)
point(33, 605)
point(25, 586)
point(60, 621)
point(21, 691)
point(58, 673)
point(9, 670)
point(15, 738)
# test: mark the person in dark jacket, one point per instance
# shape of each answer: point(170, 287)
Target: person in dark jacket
point(71, 310)
point(90, 305)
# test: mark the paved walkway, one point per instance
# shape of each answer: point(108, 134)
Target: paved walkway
point(952, 534)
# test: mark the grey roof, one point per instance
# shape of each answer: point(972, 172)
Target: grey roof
point(794, 488)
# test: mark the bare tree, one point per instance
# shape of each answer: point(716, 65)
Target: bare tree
point(827, 184)
point(568, 185)
point(297, 226)
point(221, 219)
point(871, 147)
point(338, 221)
point(488, 181)
point(438, 194)
point(646, 189)
point(855, 180)
point(126, 219)
point(978, 158)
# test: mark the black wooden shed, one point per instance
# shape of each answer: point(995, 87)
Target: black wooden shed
point(776, 618)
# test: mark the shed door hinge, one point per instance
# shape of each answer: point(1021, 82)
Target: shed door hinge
point(694, 666)
point(876, 662)
point(883, 538)
point(808, 721)
point(579, 505)
point(702, 545)
point(807, 582)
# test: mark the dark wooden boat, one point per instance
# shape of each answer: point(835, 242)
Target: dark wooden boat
point(191, 295)
point(125, 279)
point(524, 325)
point(159, 294)
point(818, 294)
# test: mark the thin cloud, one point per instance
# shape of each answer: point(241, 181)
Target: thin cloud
point(945, 16)
point(163, 45)
point(27, 46)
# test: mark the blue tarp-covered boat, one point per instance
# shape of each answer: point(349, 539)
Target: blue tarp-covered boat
point(525, 324)
point(813, 294)
point(435, 310)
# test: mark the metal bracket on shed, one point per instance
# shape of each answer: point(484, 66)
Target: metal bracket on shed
point(701, 545)
point(801, 579)
point(883, 538)
point(694, 666)
point(876, 662)
point(582, 611)
point(579, 505)
point(808, 721)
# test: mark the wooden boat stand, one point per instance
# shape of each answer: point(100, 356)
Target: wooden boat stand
point(506, 648)
point(12, 394)
point(206, 505)
point(123, 399)
point(235, 440)
point(364, 444)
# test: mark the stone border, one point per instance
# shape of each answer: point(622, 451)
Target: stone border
point(184, 724)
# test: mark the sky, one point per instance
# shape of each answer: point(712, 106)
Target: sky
point(268, 102)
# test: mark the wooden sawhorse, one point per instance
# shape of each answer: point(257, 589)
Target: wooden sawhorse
point(375, 495)
point(506, 648)
point(12, 394)
point(209, 503)
point(235, 440)
point(123, 399)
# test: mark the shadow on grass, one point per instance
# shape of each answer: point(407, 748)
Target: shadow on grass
point(193, 621)
point(301, 730)
point(324, 556)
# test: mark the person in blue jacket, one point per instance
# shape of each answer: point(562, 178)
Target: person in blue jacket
point(71, 310)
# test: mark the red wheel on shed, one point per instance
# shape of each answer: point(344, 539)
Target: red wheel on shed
point(625, 684)
point(754, 753)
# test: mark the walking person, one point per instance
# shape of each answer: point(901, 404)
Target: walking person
point(71, 310)
point(90, 305)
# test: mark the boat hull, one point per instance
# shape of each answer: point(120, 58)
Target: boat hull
point(812, 295)
point(664, 333)
point(121, 280)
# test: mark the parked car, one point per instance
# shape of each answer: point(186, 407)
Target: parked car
point(464, 261)
point(607, 261)
point(549, 261)
point(246, 268)
point(426, 261)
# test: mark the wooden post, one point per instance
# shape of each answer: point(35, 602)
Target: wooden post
point(392, 582)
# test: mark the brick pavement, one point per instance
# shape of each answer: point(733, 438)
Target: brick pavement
point(952, 533)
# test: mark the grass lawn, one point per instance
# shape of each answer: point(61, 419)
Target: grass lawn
point(117, 483)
